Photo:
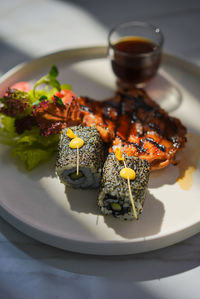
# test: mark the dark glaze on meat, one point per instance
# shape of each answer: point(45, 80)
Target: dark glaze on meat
point(135, 123)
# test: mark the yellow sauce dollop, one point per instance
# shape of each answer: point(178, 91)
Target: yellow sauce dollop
point(76, 142)
point(127, 173)
point(118, 154)
point(70, 134)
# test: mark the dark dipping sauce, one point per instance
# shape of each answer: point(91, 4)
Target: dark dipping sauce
point(135, 59)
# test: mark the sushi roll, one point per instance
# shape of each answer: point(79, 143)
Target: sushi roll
point(114, 195)
point(90, 159)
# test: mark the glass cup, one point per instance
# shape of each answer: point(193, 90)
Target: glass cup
point(135, 49)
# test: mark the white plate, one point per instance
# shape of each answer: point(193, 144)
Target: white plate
point(36, 203)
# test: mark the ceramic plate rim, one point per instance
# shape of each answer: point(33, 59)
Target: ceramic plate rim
point(18, 222)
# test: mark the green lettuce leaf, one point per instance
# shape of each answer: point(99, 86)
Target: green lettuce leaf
point(31, 156)
point(7, 130)
point(33, 149)
point(30, 147)
point(8, 126)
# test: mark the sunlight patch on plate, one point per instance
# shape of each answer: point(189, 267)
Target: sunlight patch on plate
point(94, 83)
point(39, 205)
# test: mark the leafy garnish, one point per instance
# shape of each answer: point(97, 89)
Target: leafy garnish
point(7, 130)
point(31, 156)
point(31, 120)
point(66, 86)
point(16, 103)
point(59, 101)
point(25, 123)
point(42, 98)
point(49, 79)
point(53, 73)
point(51, 118)
point(34, 149)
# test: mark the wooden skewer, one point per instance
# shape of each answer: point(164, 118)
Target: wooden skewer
point(130, 192)
point(131, 195)
point(131, 199)
point(77, 162)
point(124, 163)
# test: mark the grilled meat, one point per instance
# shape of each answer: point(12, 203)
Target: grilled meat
point(132, 121)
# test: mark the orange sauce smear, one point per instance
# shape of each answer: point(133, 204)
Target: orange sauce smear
point(189, 159)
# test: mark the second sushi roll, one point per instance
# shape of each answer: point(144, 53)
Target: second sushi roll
point(114, 196)
point(90, 159)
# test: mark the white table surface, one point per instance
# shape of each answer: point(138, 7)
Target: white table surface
point(29, 269)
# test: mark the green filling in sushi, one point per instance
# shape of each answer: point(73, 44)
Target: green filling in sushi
point(74, 176)
point(114, 196)
point(90, 159)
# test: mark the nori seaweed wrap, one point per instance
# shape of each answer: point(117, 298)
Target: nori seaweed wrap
point(114, 197)
point(91, 158)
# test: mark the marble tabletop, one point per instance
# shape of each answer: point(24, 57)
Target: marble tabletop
point(30, 269)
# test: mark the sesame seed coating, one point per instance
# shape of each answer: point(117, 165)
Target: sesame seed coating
point(114, 188)
point(91, 156)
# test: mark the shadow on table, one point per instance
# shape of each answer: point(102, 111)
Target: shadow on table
point(10, 56)
point(149, 224)
point(156, 264)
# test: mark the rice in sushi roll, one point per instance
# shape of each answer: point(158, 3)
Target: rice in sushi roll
point(91, 157)
point(114, 196)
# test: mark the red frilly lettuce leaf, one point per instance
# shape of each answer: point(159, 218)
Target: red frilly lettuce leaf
point(15, 103)
point(52, 117)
